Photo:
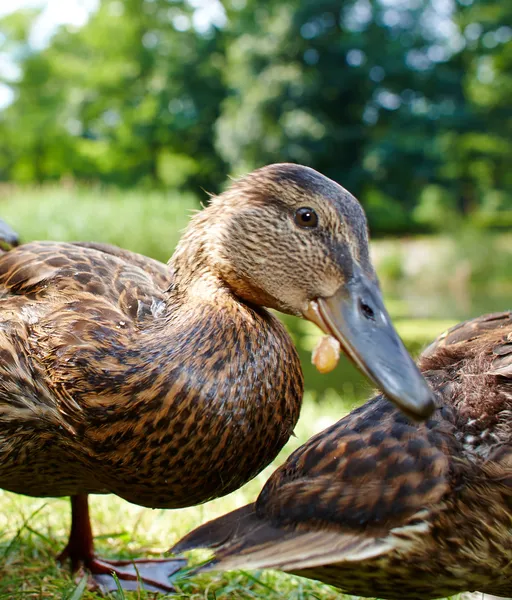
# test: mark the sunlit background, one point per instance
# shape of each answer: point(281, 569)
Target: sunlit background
point(118, 116)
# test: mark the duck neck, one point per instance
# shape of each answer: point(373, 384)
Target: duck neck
point(211, 384)
point(219, 350)
point(192, 263)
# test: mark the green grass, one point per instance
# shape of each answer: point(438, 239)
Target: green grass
point(145, 222)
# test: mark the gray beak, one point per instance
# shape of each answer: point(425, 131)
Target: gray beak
point(8, 236)
point(355, 315)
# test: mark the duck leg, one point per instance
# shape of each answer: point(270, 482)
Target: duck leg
point(152, 574)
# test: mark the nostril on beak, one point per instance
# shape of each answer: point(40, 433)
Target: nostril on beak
point(366, 310)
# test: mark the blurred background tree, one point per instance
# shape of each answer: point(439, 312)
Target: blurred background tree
point(406, 102)
point(130, 98)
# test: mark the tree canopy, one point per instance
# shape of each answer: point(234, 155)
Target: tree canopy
point(405, 102)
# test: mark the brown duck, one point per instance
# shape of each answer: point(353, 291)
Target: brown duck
point(381, 507)
point(172, 385)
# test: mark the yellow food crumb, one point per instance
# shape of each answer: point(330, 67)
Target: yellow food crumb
point(326, 354)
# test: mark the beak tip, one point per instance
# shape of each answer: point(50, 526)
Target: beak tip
point(419, 410)
point(374, 346)
point(426, 410)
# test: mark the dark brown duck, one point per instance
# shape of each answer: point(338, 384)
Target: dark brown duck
point(381, 507)
point(172, 385)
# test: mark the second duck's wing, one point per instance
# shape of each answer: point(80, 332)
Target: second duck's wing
point(375, 482)
point(365, 486)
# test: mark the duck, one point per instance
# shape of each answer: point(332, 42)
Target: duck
point(169, 385)
point(380, 506)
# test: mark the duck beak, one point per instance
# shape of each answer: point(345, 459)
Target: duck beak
point(7, 235)
point(355, 315)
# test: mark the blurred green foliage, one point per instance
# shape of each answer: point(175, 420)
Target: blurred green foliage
point(149, 222)
point(405, 103)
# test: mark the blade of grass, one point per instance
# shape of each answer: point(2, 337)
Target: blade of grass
point(21, 529)
point(78, 592)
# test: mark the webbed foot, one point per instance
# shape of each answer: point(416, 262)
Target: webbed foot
point(152, 575)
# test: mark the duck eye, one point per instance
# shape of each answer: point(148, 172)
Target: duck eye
point(306, 217)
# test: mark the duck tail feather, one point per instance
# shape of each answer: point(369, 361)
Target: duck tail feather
point(218, 531)
point(241, 540)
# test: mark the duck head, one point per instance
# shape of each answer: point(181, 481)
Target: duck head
point(288, 238)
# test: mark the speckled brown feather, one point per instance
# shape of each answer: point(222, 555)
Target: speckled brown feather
point(382, 507)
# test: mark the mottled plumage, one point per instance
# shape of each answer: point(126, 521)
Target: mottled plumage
point(379, 506)
point(172, 385)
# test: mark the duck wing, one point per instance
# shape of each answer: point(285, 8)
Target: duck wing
point(159, 272)
point(365, 486)
point(68, 311)
point(62, 270)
